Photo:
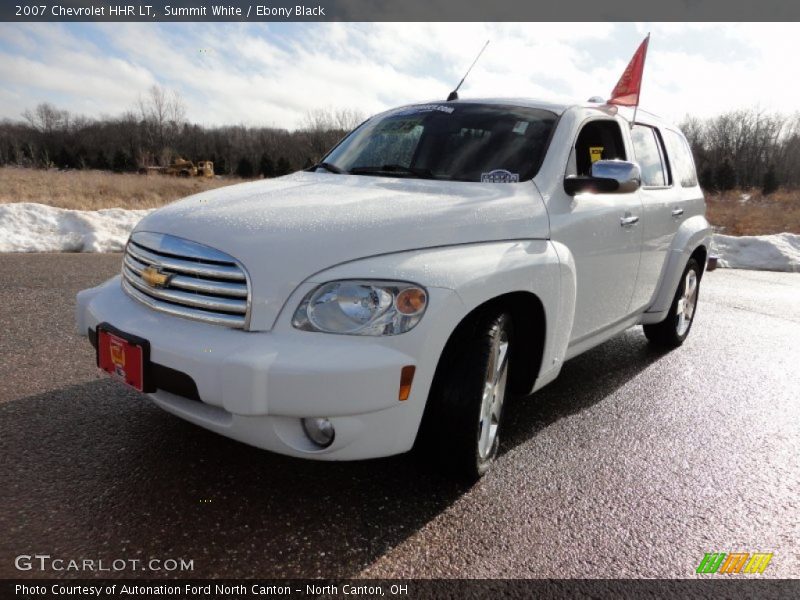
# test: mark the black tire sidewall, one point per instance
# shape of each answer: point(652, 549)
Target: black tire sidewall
point(450, 425)
point(665, 333)
point(690, 266)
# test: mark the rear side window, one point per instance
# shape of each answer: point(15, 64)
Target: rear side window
point(649, 155)
point(680, 158)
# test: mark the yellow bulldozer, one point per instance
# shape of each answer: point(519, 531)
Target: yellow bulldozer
point(186, 168)
point(181, 167)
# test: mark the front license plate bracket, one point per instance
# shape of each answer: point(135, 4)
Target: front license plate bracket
point(124, 356)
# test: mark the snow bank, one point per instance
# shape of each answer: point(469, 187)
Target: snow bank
point(30, 227)
point(778, 252)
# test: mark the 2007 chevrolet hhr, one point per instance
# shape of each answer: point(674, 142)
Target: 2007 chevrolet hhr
point(441, 258)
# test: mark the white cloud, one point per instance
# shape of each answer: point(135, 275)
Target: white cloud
point(271, 75)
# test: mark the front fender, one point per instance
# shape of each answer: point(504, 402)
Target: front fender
point(693, 233)
point(478, 273)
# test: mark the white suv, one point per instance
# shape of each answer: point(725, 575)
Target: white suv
point(442, 257)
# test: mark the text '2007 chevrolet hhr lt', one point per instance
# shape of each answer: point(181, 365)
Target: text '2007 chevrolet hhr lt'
point(440, 259)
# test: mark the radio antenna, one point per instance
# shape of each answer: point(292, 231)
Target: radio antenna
point(454, 94)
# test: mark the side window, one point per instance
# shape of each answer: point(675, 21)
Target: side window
point(649, 155)
point(598, 140)
point(680, 158)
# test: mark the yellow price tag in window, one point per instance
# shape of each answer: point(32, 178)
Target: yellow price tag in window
point(596, 153)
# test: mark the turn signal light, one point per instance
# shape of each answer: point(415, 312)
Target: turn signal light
point(406, 378)
point(411, 301)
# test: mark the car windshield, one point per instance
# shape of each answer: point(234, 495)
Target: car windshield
point(459, 142)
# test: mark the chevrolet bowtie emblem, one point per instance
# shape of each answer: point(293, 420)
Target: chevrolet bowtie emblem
point(155, 278)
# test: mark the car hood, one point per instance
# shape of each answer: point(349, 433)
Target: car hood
point(287, 229)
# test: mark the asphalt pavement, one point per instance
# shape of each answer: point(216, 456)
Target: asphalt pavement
point(634, 463)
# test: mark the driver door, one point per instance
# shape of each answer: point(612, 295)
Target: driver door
point(602, 230)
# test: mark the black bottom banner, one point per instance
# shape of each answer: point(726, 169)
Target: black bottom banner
point(635, 589)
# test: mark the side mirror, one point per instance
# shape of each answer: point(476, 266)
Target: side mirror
point(608, 177)
point(626, 174)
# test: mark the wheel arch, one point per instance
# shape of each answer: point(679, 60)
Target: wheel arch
point(528, 335)
point(527, 315)
point(693, 240)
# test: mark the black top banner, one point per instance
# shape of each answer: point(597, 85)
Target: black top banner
point(399, 10)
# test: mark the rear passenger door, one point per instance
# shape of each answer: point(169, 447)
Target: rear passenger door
point(661, 213)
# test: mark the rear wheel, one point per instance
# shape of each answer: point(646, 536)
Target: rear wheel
point(673, 330)
point(464, 416)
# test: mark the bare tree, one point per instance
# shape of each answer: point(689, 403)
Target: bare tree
point(742, 146)
point(324, 127)
point(348, 119)
point(330, 119)
point(163, 114)
point(46, 118)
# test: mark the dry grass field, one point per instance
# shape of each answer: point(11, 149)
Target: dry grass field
point(93, 190)
point(751, 213)
point(734, 213)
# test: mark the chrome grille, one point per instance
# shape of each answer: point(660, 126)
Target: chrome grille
point(195, 281)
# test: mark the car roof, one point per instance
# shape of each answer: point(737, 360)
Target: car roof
point(555, 107)
point(559, 108)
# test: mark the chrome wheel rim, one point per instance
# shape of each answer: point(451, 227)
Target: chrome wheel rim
point(687, 303)
point(494, 392)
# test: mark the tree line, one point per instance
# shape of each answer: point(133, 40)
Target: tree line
point(155, 132)
point(748, 148)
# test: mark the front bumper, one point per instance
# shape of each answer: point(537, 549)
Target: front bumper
point(256, 386)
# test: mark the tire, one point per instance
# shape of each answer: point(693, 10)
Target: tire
point(673, 330)
point(463, 418)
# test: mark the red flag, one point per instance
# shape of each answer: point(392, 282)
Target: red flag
point(626, 92)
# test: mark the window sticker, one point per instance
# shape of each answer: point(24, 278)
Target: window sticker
point(596, 153)
point(521, 127)
point(425, 108)
point(499, 176)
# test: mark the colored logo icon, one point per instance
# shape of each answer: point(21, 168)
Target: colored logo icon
point(734, 562)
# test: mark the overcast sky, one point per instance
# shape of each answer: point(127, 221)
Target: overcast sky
point(272, 74)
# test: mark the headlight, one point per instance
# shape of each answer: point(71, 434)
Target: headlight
point(362, 308)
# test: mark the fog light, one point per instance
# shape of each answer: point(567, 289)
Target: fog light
point(319, 431)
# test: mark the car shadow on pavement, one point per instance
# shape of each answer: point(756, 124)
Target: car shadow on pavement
point(94, 470)
point(584, 381)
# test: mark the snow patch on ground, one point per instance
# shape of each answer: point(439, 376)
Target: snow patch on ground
point(777, 252)
point(31, 227)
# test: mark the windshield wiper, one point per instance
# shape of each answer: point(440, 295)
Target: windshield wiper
point(327, 166)
point(393, 169)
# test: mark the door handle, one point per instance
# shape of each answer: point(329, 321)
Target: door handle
point(629, 220)
point(677, 212)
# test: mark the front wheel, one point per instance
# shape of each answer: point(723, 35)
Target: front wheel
point(673, 330)
point(464, 416)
